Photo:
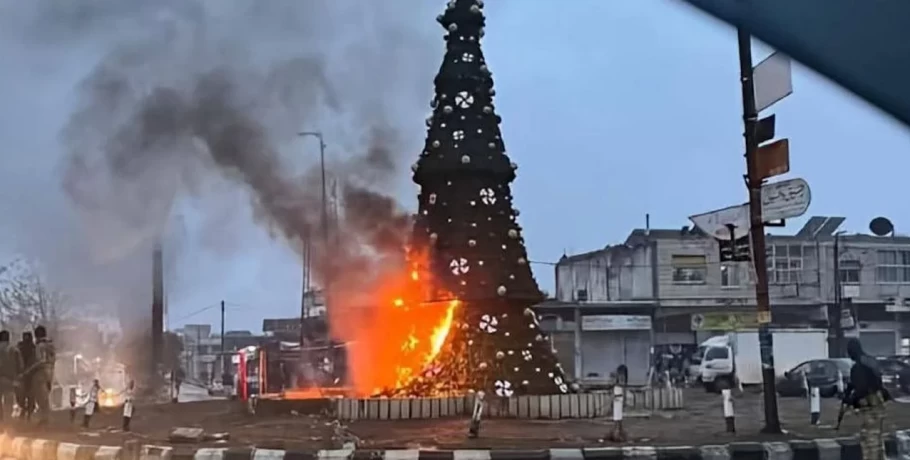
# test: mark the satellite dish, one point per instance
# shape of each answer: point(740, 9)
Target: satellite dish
point(881, 226)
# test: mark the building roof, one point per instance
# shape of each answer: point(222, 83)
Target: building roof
point(816, 229)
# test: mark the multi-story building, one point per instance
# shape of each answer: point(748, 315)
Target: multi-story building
point(669, 288)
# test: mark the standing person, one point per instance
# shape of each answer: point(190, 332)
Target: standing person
point(867, 394)
point(43, 376)
point(9, 372)
point(26, 349)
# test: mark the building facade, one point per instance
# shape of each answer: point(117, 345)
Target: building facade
point(202, 349)
point(669, 290)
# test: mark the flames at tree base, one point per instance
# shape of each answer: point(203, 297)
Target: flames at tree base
point(490, 348)
point(409, 347)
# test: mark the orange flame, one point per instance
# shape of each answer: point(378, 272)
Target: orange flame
point(404, 334)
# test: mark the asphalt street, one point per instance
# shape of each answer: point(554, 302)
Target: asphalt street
point(701, 422)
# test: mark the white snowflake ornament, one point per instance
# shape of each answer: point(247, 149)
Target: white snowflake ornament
point(487, 196)
point(503, 388)
point(459, 266)
point(561, 384)
point(488, 324)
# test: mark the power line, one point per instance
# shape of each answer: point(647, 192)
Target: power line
point(199, 311)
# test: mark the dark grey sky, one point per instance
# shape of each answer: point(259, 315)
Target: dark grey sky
point(612, 109)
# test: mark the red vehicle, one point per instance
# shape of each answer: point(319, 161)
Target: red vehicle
point(282, 370)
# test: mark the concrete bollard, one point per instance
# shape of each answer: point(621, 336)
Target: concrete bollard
point(474, 428)
point(89, 411)
point(729, 413)
point(72, 404)
point(619, 432)
point(814, 405)
point(128, 406)
point(91, 405)
point(132, 450)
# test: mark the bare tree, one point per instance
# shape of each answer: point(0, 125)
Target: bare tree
point(26, 300)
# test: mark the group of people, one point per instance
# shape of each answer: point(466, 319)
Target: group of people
point(26, 375)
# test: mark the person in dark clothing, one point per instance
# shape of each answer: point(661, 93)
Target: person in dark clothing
point(24, 397)
point(867, 394)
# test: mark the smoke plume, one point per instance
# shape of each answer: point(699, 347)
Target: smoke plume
point(191, 104)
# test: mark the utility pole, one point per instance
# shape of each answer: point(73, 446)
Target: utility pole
point(157, 308)
point(754, 182)
point(838, 302)
point(221, 354)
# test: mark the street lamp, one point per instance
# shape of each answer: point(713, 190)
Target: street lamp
point(325, 208)
point(325, 230)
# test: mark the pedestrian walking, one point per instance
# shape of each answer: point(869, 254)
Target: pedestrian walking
point(868, 396)
point(24, 398)
point(9, 372)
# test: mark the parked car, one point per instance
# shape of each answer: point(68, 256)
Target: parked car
point(821, 373)
point(896, 374)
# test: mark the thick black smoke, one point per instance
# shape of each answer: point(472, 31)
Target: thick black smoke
point(202, 102)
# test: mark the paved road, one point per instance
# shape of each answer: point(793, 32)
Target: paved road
point(701, 423)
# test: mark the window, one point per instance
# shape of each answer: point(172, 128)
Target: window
point(893, 267)
point(799, 371)
point(717, 353)
point(689, 269)
point(849, 271)
point(785, 263)
point(732, 275)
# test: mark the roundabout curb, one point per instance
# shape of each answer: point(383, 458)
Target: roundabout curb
point(897, 446)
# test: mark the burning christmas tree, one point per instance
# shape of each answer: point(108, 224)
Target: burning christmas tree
point(475, 250)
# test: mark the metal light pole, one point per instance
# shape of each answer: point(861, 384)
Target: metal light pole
point(325, 207)
point(324, 224)
point(222, 367)
point(754, 183)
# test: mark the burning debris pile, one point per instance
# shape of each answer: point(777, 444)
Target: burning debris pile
point(480, 287)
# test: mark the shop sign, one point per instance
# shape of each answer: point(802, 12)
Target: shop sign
point(616, 323)
point(724, 321)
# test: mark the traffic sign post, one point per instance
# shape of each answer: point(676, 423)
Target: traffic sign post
point(758, 168)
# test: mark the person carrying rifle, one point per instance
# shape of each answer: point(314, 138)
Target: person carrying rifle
point(24, 398)
point(10, 367)
point(867, 394)
point(43, 375)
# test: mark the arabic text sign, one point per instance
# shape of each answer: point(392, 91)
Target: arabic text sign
point(780, 200)
point(785, 199)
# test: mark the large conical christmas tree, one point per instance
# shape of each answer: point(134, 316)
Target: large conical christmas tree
point(469, 227)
